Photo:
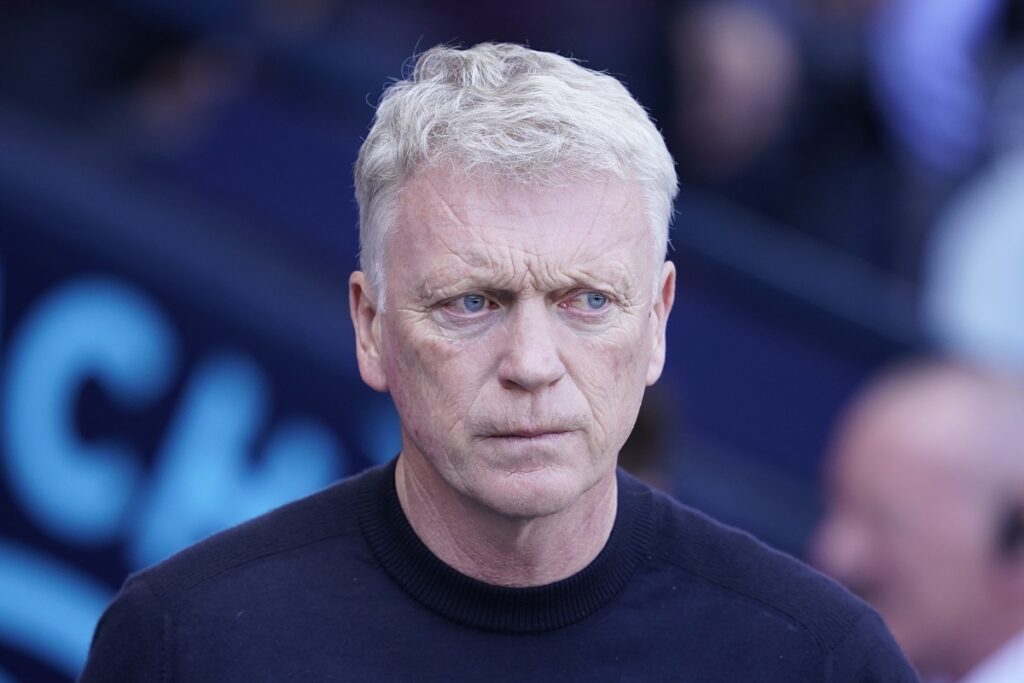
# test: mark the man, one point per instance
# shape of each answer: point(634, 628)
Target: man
point(926, 516)
point(513, 296)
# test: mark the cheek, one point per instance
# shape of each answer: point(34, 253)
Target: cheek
point(431, 380)
point(622, 352)
point(630, 357)
point(939, 559)
point(612, 375)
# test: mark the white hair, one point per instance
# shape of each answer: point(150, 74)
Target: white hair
point(506, 112)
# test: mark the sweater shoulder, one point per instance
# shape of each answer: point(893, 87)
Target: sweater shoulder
point(740, 567)
point(326, 514)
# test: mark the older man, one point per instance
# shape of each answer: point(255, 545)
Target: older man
point(513, 298)
point(926, 516)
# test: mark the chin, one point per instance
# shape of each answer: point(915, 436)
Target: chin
point(530, 494)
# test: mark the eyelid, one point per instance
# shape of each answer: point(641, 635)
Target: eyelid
point(578, 293)
point(454, 302)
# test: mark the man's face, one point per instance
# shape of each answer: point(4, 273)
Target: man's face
point(521, 327)
point(910, 527)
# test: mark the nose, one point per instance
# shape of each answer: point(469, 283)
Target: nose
point(532, 358)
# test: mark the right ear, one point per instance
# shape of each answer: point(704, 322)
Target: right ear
point(367, 325)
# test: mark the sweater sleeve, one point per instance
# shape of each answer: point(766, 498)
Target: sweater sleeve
point(868, 654)
point(132, 639)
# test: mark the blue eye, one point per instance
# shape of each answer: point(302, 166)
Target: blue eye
point(596, 300)
point(474, 303)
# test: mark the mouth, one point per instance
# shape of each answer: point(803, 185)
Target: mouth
point(530, 435)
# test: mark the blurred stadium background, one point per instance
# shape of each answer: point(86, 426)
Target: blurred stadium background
point(177, 226)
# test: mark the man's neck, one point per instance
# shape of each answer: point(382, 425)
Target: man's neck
point(499, 550)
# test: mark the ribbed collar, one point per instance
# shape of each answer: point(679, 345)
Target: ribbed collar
point(496, 608)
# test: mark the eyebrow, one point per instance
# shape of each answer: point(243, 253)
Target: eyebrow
point(437, 286)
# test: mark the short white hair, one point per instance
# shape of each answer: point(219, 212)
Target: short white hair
point(506, 112)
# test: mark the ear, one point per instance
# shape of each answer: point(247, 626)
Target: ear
point(666, 296)
point(1010, 540)
point(1010, 546)
point(367, 325)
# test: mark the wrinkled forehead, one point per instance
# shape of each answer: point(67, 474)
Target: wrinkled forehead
point(445, 193)
point(454, 226)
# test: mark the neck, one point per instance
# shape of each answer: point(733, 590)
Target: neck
point(498, 549)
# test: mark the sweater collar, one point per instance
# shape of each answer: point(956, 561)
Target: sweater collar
point(497, 608)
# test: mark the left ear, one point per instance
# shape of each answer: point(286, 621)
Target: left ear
point(665, 297)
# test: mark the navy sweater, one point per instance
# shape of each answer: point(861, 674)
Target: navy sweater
point(337, 587)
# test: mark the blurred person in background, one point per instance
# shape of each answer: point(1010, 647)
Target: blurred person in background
point(937, 71)
point(737, 73)
point(772, 111)
point(851, 121)
point(973, 288)
point(934, 67)
point(513, 300)
point(973, 284)
point(925, 515)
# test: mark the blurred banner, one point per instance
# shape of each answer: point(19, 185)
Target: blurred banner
point(135, 420)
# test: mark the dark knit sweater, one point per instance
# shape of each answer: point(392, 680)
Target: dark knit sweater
point(337, 587)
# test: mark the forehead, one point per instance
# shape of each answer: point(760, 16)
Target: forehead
point(450, 228)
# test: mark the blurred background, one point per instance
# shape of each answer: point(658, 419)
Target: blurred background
point(177, 227)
